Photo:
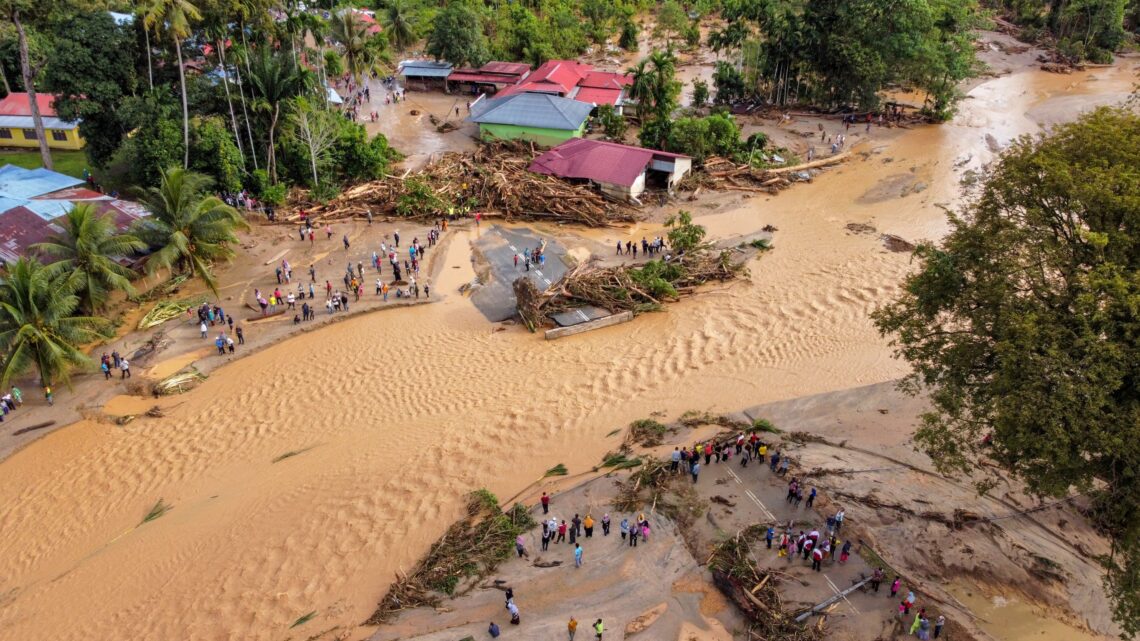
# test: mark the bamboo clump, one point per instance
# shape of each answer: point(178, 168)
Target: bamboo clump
point(494, 179)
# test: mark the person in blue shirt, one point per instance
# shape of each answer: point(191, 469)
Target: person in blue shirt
point(493, 630)
point(578, 555)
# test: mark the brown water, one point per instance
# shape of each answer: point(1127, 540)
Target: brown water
point(400, 413)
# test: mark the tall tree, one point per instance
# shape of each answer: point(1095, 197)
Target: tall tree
point(457, 36)
point(37, 326)
point(1023, 327)
point(188, 230)
point(17, 11)
point(84, 257)
point(398, 23)
point(274, 79)
point(363, 51)
point(91, 71)
point(318, 129)
point(175, 17)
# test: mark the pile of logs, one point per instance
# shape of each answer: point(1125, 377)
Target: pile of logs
point(722, 173)
point(494, 179)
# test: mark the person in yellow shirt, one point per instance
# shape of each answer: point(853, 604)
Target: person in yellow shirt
point(598, 629)
point(762, 453)
point(588, 524)
point(572, 627)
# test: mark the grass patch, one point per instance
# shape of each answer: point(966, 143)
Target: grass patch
point(291, 454)
point(160, 508)
point(71, 163)
point(763, 244)
point(613, 432)
point(557, 470)
point(303, 620)
point(764, 425)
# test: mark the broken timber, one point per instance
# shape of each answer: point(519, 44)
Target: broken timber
point(820, 606)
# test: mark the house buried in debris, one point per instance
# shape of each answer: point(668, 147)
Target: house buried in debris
point(620, 171)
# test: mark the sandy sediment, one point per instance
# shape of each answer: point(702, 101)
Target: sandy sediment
point(396, 415)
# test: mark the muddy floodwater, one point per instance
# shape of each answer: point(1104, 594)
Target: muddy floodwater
point(397, 414)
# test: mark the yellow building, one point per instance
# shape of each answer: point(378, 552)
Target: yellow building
point(17, 128)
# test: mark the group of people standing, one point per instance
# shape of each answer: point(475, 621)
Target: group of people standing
point(648, 247)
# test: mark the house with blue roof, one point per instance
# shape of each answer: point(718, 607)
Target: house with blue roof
point(545, 119)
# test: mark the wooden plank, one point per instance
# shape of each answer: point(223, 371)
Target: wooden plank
point(606, 321)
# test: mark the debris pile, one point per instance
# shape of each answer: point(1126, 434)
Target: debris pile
point(493, 179)
point(754, 590)
point(471, 548)
point(625, 288)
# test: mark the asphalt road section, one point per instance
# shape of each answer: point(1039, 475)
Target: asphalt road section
point(496, 297)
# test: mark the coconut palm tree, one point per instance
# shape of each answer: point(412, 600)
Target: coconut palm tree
point(274, 79)
point(175, 17)
point(188, 230)
point(401, 31)
point(85, 256)
point(641, 91)
point(37, 328)
point(363, 52)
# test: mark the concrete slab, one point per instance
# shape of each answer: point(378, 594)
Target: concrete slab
point(579, 315)
point(499, 245)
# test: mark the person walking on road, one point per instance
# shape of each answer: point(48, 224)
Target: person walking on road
point(125, 367)
point(577, 555)
point(599, 629)
point(696, 469)
point(572, 627)
point(545, 503)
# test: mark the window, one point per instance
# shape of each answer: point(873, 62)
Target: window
point(59, 135)
point(30, 134)
point(5, 134)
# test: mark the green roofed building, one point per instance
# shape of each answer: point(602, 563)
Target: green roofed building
point(542, 118)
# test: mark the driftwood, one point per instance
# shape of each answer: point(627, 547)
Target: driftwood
point(494, 178)
point(624, 288)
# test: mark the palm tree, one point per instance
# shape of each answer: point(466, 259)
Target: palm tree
point(86, 252)
point(401, 32)
point(641, 91)
point(362, 52)
point(37, 328)
point(275, 79)
point(176, 16)
point(188, 229)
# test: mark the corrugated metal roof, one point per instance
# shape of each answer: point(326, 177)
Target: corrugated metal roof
point(425, 68)
point(533, 110)
point(598, 96)
point(17, 182)
point(597, 160)
point(27, 122)
point(18, 104)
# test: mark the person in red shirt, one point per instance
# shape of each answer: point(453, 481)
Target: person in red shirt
point(545, 503)
point(561, 532)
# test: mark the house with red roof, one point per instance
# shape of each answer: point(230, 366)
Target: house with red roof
point(620, 171)
point(18, 129)
point(577, 81)
point(491, 78)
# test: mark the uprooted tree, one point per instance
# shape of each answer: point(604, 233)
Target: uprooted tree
point(1024, 329)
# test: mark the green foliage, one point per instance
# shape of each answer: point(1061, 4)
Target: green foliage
point(646, 431)
point(399, 24)
point(728, 82)
point(37, 327)
point(1083, 29)
point(713, 135)
point(334, 64)
point(418, 198)
point(364, 52)
point(85, 256)
point(458, 36)
point(700, 93)
point(213, 153)
point(90, 68)
point(693, 35)
point(671, 19)
point(613, 123)
point(656, 277)
point(1023, 328)
point(655, 90)
point(156, 143)
point(629, 34)
point(600, 14)
point(355, 157)
point(764, 425)
point(684, 234)
point(188, 230)
point(557, 470)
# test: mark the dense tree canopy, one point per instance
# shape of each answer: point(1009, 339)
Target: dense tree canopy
point(1024, 326)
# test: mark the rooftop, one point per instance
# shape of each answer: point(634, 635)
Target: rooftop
point(532, 110)
point(425, 68)
point(553, 76)
point(596, 160)
point(17, 104)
